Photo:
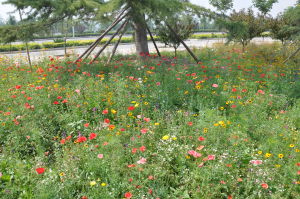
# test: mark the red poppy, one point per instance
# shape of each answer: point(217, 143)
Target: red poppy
point(62, 141)
point(81, 139)
point(92, 136)
point(40, 170)
point(201, 138)
point(131, 108)
point(18, 86)
point(107, 121)
point(128, 195)
point(86, 124)
point(264, 185)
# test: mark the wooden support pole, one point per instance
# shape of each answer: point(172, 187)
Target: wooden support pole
point(292, 55)
point(116, 46)
point(183, 43)
point(95, 43)
point(153, 41)
point(110, 39)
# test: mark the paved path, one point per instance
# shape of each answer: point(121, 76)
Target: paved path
point(122, 49)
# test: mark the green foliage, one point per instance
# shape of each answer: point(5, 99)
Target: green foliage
point(264, 6)
point(183, 25)
point(244, 25)
point(222, 5)
point(286, 26)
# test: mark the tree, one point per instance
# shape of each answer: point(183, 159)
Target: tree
point(183, 25)
point(222, 5)
point(243, 26)
point(264, 6)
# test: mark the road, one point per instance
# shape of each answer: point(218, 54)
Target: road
point(123, 49)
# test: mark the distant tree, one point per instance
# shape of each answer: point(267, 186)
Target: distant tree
point(264, 6)
point(243, 26)
point(183, 25)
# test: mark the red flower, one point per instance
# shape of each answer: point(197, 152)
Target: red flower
point(18, 86)
point(86, 124)
point(264, 185)
point(131, 108)
point(105, 112)
point(62, 141)
point(128, 195)
point(81, 139)
point(92, 136)
point(40, 170)
point(55, 102)
point(201, 138)
point(107, 121)
point(190, 123)
point(142, 148)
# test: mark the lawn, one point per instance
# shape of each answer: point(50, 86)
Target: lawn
point(227, 127)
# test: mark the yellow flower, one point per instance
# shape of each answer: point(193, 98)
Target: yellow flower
point(174, 138)
point(146, 103)
point(216, 124)
point(103, 184)
point(156, 124)
point(205, 130)
point(62, 174)
point(166, 137)
point(259, 152)
point(113, 111)
point(291, 145)
point(267, 155)
point(297, 150)
point(277, 165)
point(187, 157)
point(93, 183)
point(221, 108)
point(280, 155)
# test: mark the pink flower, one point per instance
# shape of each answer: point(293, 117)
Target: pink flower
point(215, 85)
point(211, 157)
point(256, 162)
point(146, 119)
point(142, 161)
point(261, 92)
point(195, 154)
point(100, 156)
point(157, 83)
point(77, 91)
point(144, 131)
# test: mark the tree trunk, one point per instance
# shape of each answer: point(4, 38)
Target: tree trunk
point(141, 42)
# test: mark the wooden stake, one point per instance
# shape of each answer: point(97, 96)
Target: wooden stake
point(153, 41)
point(110, 39)
point(95, 43)
point(116, 46)
point(183, 43)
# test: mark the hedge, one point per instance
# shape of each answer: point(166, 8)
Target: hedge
point(18, 47)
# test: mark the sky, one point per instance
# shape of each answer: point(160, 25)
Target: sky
point(238, 4)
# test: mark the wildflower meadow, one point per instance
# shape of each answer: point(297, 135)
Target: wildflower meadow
point(160, 128)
